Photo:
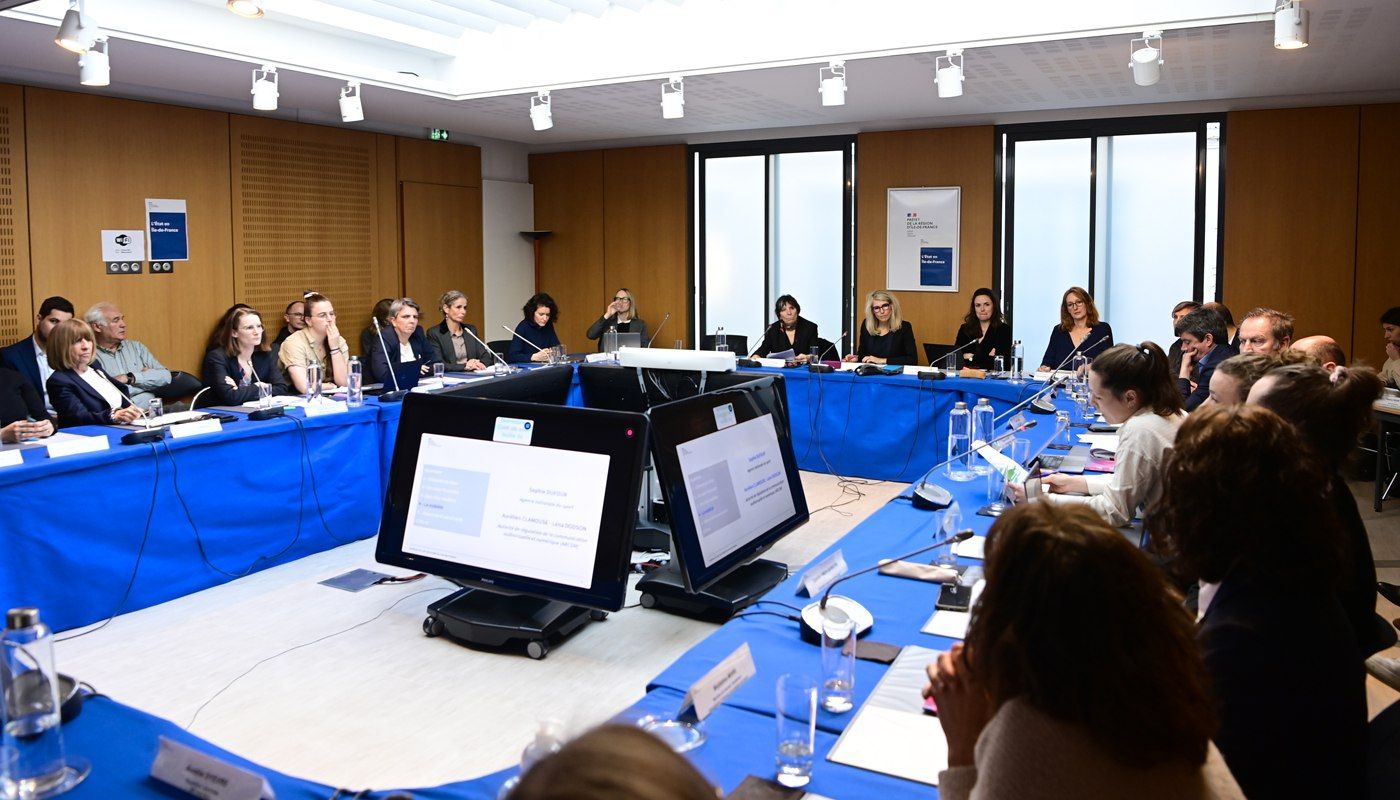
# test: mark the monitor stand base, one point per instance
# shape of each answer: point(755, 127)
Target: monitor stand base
point(476, 617)
point(664, 589)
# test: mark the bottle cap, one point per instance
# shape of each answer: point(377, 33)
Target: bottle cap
point(982, 401)
point(960, 405)
point(24, 617)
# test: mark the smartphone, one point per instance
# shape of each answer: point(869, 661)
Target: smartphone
point(954, 597)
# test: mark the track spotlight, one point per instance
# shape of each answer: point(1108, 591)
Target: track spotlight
point(251, 9)
point(832, 81)
point(93, 67)
point(351, 108)
point(673, 98)
point(1145, 58)
point(265, 89)
point(948, 73)
point(541, 112)
point(1290, 25)
point(76, 32)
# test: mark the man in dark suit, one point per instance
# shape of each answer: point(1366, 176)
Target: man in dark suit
point(27, 356)
point(1200, 331)
point(1174, 352)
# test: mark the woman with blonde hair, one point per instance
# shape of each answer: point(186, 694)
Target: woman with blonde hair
point(613, 762)
point(885, 336)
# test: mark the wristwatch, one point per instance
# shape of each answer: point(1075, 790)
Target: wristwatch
point(131, 379)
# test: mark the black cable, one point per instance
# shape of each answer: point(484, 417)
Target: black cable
point(306, 458)
point(918, 424)
point(141, 551)
point(777, 603)
point(758, 613)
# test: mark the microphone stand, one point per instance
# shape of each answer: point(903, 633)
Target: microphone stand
point(1036, 401)
point(657, 332)
point(817, 366)
point(956, 349)
point(538, 349)
point(930, 496)
point(396, 395)
point(500, 358)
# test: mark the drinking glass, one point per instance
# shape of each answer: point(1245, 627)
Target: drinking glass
point(950, 524)
point(155, 408)
point(439, 369)
point(950, 362)
point(264, 395)
point(797, 729)
point(996, 486)
point(1062, 426)
point(1021, 451)
point(314, 374)
point(814, 355)
point(838, 661)
point(679, 344)
point(999, 366)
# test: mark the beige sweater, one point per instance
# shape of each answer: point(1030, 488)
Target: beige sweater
point(1025, 754)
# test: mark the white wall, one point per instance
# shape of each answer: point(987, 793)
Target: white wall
point(507, 208)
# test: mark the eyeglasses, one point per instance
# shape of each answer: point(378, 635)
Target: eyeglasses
point(1075, 304)
point(325, 315)
point(623, 299)
point(879, 306)
point(294, 314)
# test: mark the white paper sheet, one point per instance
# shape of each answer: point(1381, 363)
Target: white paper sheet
point(890, 733)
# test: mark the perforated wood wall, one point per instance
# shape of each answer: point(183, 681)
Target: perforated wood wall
point(15, 306)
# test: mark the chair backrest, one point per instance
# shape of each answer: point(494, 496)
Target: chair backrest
point(936, 352)
point(738, 344)
point(499, 345)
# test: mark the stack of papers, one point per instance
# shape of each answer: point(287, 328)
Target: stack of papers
point(891, 734)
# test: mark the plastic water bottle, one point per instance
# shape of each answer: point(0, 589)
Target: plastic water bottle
point(721, 340)
point(31, 708)
point(355, 394)
point(314, 373)
point(1018, 363)
point(983, 430)
point(610, 342)
point(959, 440)
point(549, 738)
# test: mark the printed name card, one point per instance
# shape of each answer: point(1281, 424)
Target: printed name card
point(719, 683)
point(195, 428)
point(325, 407)
point(11, 458)
point(513, 431)
point(73, 445)
point(205, 776)
point(823, 573)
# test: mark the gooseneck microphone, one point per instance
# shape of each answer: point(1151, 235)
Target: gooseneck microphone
point(538, 349)
point(817, 365)
point(500, 358)
point(396, 395)
point(657, 332)
point(955, 350)
point(930, 496)
point(761, 337)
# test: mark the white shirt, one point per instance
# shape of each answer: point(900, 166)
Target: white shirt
point(44, 372)
point(1144, 441)
point(104, 387)
point(406, 353)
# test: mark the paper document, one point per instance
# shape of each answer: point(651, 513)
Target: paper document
point(975, 547)
point(890, 734)
point(1106, 441)
point(783, 355)
point(1014, 472)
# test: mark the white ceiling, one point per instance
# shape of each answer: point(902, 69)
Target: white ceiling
point(1353, 57)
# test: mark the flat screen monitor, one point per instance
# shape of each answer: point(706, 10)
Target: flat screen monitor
point(619, 389)
point(731, 481)
point(549, 385)
point(515, 498)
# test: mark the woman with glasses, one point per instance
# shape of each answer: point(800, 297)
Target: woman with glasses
point(789, 332)
point(320, 343)
point(241, 359)
point(1079, 331)
point(621, 313)
point(885, 336)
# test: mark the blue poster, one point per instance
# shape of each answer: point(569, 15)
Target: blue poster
point(167, 234)
point(935, 266)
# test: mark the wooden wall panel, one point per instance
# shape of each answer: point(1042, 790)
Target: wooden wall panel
point(569, 202)
point(942, 157)
point(17, 308)
point(93, 161)
point(424, 161)
point(1290, 216)
point(306, 217)
point(386, 196)
point(1377, 229)
point(645, 235)
point(439, 251)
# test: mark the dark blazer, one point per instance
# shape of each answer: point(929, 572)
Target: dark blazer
point(600, 326)
point(1357, 589)
point(218, 365)
point(1292, 712)
point(20, 358)
point(380, 370)
point(1058, 351)
point(18, 400)
point(1204, 369)
point(775, 339)
point(440, 339)
point(519, 352)
point(981, 355)
point(896, 347)
point(77, 403)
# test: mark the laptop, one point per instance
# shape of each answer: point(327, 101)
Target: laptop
point(935, 352)
point(629, 340)
point(1072, 462)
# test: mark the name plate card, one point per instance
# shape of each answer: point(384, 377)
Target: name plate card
point(719, 683)
point(321, 409)
point(195, 428)
point(205, 776)
point(823, 573)
point(11, 458)
point(73, 445)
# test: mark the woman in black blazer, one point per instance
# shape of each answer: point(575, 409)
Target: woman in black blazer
point(789, 332)
point(81, 392)
point(403, 336)
point(22, 412)
point(241, 360)
point(985, 325)
point(1080, 331)
point(885, 336)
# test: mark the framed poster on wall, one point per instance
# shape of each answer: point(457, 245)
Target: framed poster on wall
point(921, 250)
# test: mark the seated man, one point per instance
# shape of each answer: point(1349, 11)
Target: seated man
point(131, 363)
point(1266, 331)
point(1324, 350)
point(27, 356)
point(295, 318)
point(1174, 352)
point(1204, 345)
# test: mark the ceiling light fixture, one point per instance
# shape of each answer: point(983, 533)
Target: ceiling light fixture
point(94, 69)
point(251, 9)
point(1145, 58)
point(948, 73)
point(76, 32)
point(265, 88)
point(351, 108)
point(673, 98)
point(832, 82)
point(1290, 25)
point(541, 112)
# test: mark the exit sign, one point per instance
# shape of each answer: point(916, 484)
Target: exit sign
point(438, 135)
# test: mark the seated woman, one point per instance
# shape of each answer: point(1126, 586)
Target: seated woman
point(1330, 412)
point(1079, 331)
point(22, 412)
point(368, 342)
point(454, 340)
point(320, 343)
point(985, 325)
point(537, 328)
point(885, 336)
point(1235, 376)
point(80, 391)
point(789, 332)
point(621, 313)
point(1243, 510)
point(1079, 677)
point(216, 336)
point(613, 762)
point(406, 344)
point(243, 360)
point(1129, 385)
